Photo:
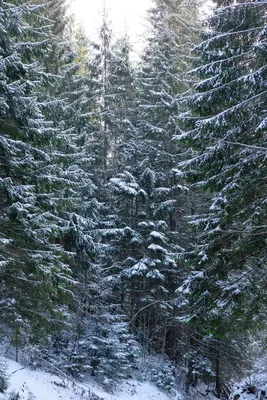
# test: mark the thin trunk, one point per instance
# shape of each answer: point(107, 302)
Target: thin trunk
point(17, 344)
point(218, 385)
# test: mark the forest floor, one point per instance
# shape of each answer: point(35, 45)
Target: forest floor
point(29, 384)
point(38, 385)
point(253, 387)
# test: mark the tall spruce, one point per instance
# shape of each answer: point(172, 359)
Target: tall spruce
point(34, 269)
point(150, 197)
point(73, 89)
point(228, 117)
point(99, 342)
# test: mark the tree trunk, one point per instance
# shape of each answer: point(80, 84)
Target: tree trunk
point(218, 383)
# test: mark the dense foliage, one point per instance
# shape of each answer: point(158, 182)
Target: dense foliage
point(133, 197)
point(228, 135)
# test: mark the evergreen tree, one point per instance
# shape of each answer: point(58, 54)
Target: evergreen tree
point(99, 341)
point(150, 199)
point(48, 208)
point(228, 117)
point(99, 72)
point(121, 101)
point(34, 269)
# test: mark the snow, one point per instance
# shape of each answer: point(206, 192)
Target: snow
point(251, 388)
point(158, 235)
point(156, 247)
point(45, 386)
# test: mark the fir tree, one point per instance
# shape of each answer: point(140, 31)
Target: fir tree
point(34, 269)
point(99, 341)
point(229, 137)
point(150, 197)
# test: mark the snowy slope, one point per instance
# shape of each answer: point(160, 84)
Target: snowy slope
point(44, 386)
point(253, 387)
point(39, 385)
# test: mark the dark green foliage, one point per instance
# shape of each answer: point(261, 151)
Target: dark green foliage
point(94, 239)
point(228, 120)
point(99, 342)
point(46, 188)
point(33, 268)
point(230, 139)
point(149, 231)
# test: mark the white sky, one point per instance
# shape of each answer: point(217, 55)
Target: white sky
point(125, 16)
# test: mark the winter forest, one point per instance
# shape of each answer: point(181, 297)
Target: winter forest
point(133, 195)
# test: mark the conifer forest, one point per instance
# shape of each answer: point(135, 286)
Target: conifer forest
point(133, 194)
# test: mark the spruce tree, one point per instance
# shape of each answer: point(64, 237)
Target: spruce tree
point(48, 206)
point(99, 341)
point(34, 268)
point(228, 117)
point(151, 200)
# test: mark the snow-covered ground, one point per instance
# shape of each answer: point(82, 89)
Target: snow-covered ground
point(253, 387)
point(39, 385)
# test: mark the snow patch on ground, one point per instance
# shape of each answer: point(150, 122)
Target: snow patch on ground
point(251, 388)
point(45, 386)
